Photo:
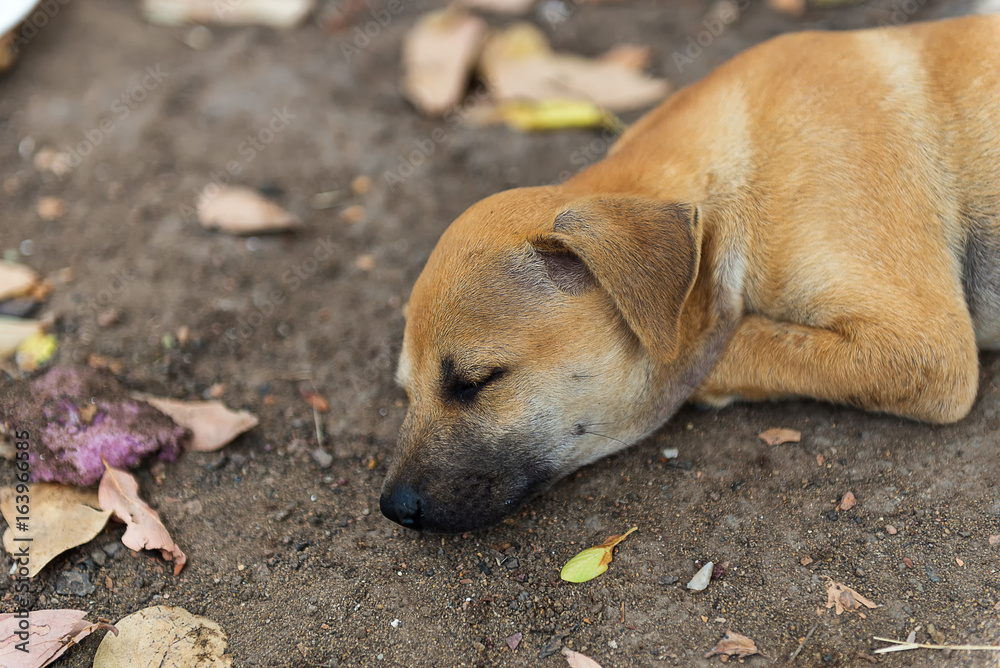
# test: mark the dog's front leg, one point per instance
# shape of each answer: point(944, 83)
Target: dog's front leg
point(927, 372)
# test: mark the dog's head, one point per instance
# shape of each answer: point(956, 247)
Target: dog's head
point(538, 339)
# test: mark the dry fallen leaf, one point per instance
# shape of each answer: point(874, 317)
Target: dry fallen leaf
point(593, 561)
point(734, 644)
point(16, 280)
point(631, 56)
point(805, 561)
point(273, 13)
point(439, 54)
point(508, 7)
point(8, 50)
point(15, 331)
point(843, 598)
point(518, 65)
point(316, 400)
point(59, 517)
point(164, 636)
point(119, 493)
point(793, 8)
point(212, 425)
point(50, 633)
point(701, 579)
point(241, 210)
point(847, 501)
point(778, 436)
point(577, 660)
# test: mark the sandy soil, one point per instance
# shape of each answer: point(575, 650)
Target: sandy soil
point(293, 559)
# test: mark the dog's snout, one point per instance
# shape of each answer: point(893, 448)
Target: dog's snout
point(403, 505)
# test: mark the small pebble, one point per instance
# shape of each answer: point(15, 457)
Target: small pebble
point(361, 185)
point(50, 208)
point(671, 453)
point(700, 580)
point(365, 262)
point(74, 583)
point(891, 530)
point(198, 38)
point(322, 458)
point(352, 214)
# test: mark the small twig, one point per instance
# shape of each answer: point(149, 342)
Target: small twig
point(802, 644)
point(901, 645)
point(316, 420)
point(623, 612)
point(319, 428)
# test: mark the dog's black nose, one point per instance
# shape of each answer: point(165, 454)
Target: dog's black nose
point(401, 504)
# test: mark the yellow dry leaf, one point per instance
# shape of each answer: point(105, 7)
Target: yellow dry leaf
point(35, 351)
point(593, 561)
point(554, 115)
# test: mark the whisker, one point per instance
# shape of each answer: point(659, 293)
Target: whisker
point(610, 438)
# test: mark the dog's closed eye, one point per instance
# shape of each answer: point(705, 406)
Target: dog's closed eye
point(465, 390)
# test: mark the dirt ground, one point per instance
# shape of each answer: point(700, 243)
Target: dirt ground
point(294, 560)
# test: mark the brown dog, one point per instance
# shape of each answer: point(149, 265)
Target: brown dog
point(820, 217)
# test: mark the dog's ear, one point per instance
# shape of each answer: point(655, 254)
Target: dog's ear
point(644, 253)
